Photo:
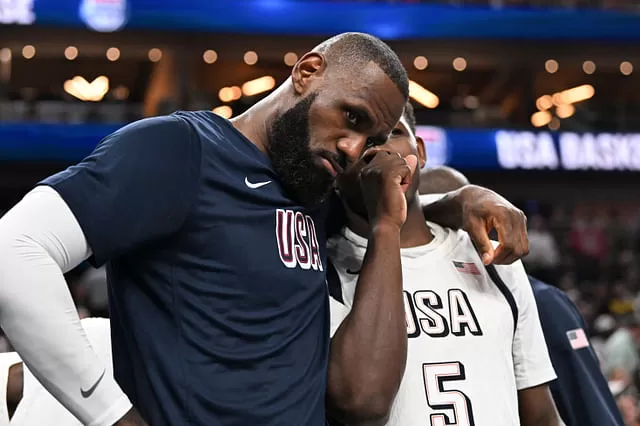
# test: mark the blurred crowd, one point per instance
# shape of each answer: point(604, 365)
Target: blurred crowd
point(593, 254)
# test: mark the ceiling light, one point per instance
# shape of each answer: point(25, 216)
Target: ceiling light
point(259, 85)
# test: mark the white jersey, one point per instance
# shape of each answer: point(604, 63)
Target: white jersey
point(38, 407)
point(474, 339)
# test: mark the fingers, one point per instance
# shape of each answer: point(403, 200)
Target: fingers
point(512, 236)
point(479, 234)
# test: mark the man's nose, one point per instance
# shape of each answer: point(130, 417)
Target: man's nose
point(352, 147)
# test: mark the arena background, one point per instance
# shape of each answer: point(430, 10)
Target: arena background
point(537, 99)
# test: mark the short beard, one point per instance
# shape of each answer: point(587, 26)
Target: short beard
point(304, 180)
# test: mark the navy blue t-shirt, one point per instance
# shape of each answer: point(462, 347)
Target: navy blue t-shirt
point(218, 301)
point(581, 392)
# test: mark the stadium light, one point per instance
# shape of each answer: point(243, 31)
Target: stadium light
point(28, 51)
point(259, 85)
point(589, 67)
point(422, 95)
point(210, 56)
point(5, 55)
point(421, 63)
point(71, 53)
point(113, 54)
point(250, 57)
point(545, 102)
point(565, 111)
point(155, 54)
point(541, 118)
point(223, 111)
point(225, 94)
point(290, 59)
point(80, 88)
point(626, 68)
point(459, 64)
point(577, 94)
point(551, 66)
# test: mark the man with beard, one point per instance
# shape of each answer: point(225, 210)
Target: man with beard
point(213, 233)
point(476, 354)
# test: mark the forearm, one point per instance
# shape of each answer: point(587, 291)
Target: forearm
point(39, 317)
point(536, 407)
point(368, 351)
point(447, 211)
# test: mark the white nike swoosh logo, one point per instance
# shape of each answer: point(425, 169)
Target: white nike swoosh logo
point(255, 185)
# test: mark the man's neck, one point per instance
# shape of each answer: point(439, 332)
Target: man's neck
point(414, 233)
point(255, 122)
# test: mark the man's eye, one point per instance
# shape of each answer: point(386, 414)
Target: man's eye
point(396, 132)
point(352, 117)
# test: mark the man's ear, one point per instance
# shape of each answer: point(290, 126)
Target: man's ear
point(422, 152)
point(306, 70)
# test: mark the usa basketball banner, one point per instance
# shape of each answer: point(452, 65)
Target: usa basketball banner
point(464, 149)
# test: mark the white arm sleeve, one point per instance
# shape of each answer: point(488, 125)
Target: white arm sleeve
point(39, 240)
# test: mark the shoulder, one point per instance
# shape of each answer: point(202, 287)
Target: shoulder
point(452, 241)
point(548, 295)
point(165, 127)
point(555, 305)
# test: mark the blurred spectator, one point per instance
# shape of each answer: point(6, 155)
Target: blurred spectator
point(543, 258)
point(588, 240)
point(628, 405)
point(621, 349)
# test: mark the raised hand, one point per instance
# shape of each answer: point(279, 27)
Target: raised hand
point(384, 180)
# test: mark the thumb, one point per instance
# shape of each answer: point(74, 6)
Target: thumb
point(412, 162)
point(478, 233)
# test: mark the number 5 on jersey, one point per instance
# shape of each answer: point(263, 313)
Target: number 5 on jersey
point(455, 404)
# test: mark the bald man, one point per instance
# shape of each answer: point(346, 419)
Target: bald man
point(441, 179)
point(581, 392)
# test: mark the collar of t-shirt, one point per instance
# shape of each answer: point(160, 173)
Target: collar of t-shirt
point(440, 239)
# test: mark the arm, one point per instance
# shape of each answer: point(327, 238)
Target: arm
point(478, 210)
point(98, 208)
point(537, 408)
point(39, 239)
point(369, 349)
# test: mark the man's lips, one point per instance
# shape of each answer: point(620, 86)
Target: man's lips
point(331, 165)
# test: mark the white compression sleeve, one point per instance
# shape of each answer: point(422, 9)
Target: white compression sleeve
point(39, 240)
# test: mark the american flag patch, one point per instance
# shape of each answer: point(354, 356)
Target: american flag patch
point(577, 339)
point(466, 267)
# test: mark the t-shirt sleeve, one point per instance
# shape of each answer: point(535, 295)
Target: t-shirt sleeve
point(532, 364)
point(137, 186)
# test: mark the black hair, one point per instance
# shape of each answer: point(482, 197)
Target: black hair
point(353, 49)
